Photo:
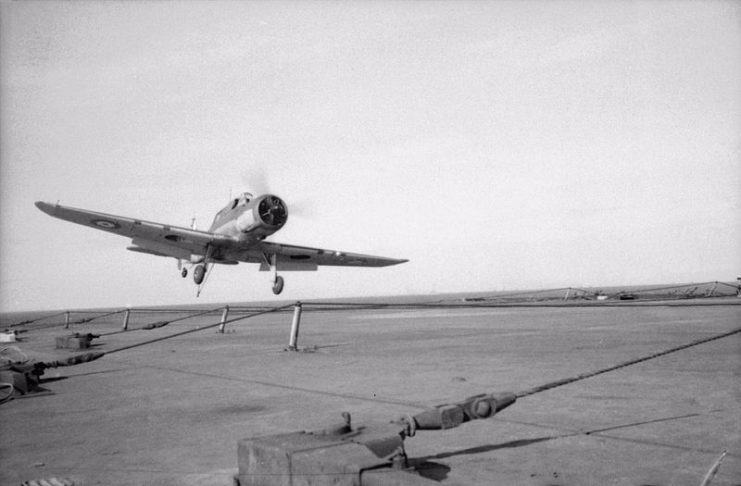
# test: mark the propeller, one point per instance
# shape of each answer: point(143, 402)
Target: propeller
point(258, 183)
point(273, 210)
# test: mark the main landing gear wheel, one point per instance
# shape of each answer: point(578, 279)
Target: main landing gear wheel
point(198, 273)
point(278, 285)
point(184, 273)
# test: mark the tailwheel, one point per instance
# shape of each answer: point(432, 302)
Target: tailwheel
point(278, 285)
point(184, 272)
point(198, 274)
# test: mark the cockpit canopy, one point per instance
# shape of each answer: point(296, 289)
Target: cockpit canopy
point(242, 200)
point(223, 215)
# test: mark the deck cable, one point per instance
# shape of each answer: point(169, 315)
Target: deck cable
point(201, 328)
point(82, 320)
point(584, 376)
point(88, 319)
point(31, 321)
point(149, 326)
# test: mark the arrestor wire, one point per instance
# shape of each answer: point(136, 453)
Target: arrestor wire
point(57, 324)
point(31, 321)
point(584, 376)
point(190, 316)
point(202, 328)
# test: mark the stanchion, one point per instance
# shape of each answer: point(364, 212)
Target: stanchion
point(224, 317)
point(712, 290)
point(293, 341)
point(66, 320)
point(126, 319)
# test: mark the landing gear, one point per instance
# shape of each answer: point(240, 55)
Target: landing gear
point(272, 262)
point(278, 285)
point(198, 274)
point(184, 272)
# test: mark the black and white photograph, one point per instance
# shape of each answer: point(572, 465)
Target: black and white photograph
point(370, 242)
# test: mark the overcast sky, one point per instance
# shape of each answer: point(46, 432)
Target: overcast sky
point(497, 145)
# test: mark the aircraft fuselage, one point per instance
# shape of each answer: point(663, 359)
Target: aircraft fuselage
point(248, 218)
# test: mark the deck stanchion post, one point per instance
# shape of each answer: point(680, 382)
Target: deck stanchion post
point(126, 319)
point(293, 341)
point(66, 320)
point(224, 317)
point(712, 290)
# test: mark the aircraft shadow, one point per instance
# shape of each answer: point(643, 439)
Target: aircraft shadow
point(430, 470)
point(53, 379)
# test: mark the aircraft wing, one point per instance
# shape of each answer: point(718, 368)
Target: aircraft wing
point(293, 257)
point(178, 242)
point(147, 237)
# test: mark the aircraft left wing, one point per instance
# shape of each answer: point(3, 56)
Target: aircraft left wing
point(147, 237)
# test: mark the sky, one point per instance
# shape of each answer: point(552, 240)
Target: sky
point(496, 144)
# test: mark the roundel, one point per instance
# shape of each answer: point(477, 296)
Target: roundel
point(104, 223)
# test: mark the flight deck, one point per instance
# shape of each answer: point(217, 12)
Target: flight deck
point(172, 410)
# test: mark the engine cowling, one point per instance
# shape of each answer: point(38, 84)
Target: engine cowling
point(267, 215)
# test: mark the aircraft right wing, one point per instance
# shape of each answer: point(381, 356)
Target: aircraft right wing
point(146, 236)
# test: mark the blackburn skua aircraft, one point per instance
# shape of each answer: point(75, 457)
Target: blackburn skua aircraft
point(237, 235)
